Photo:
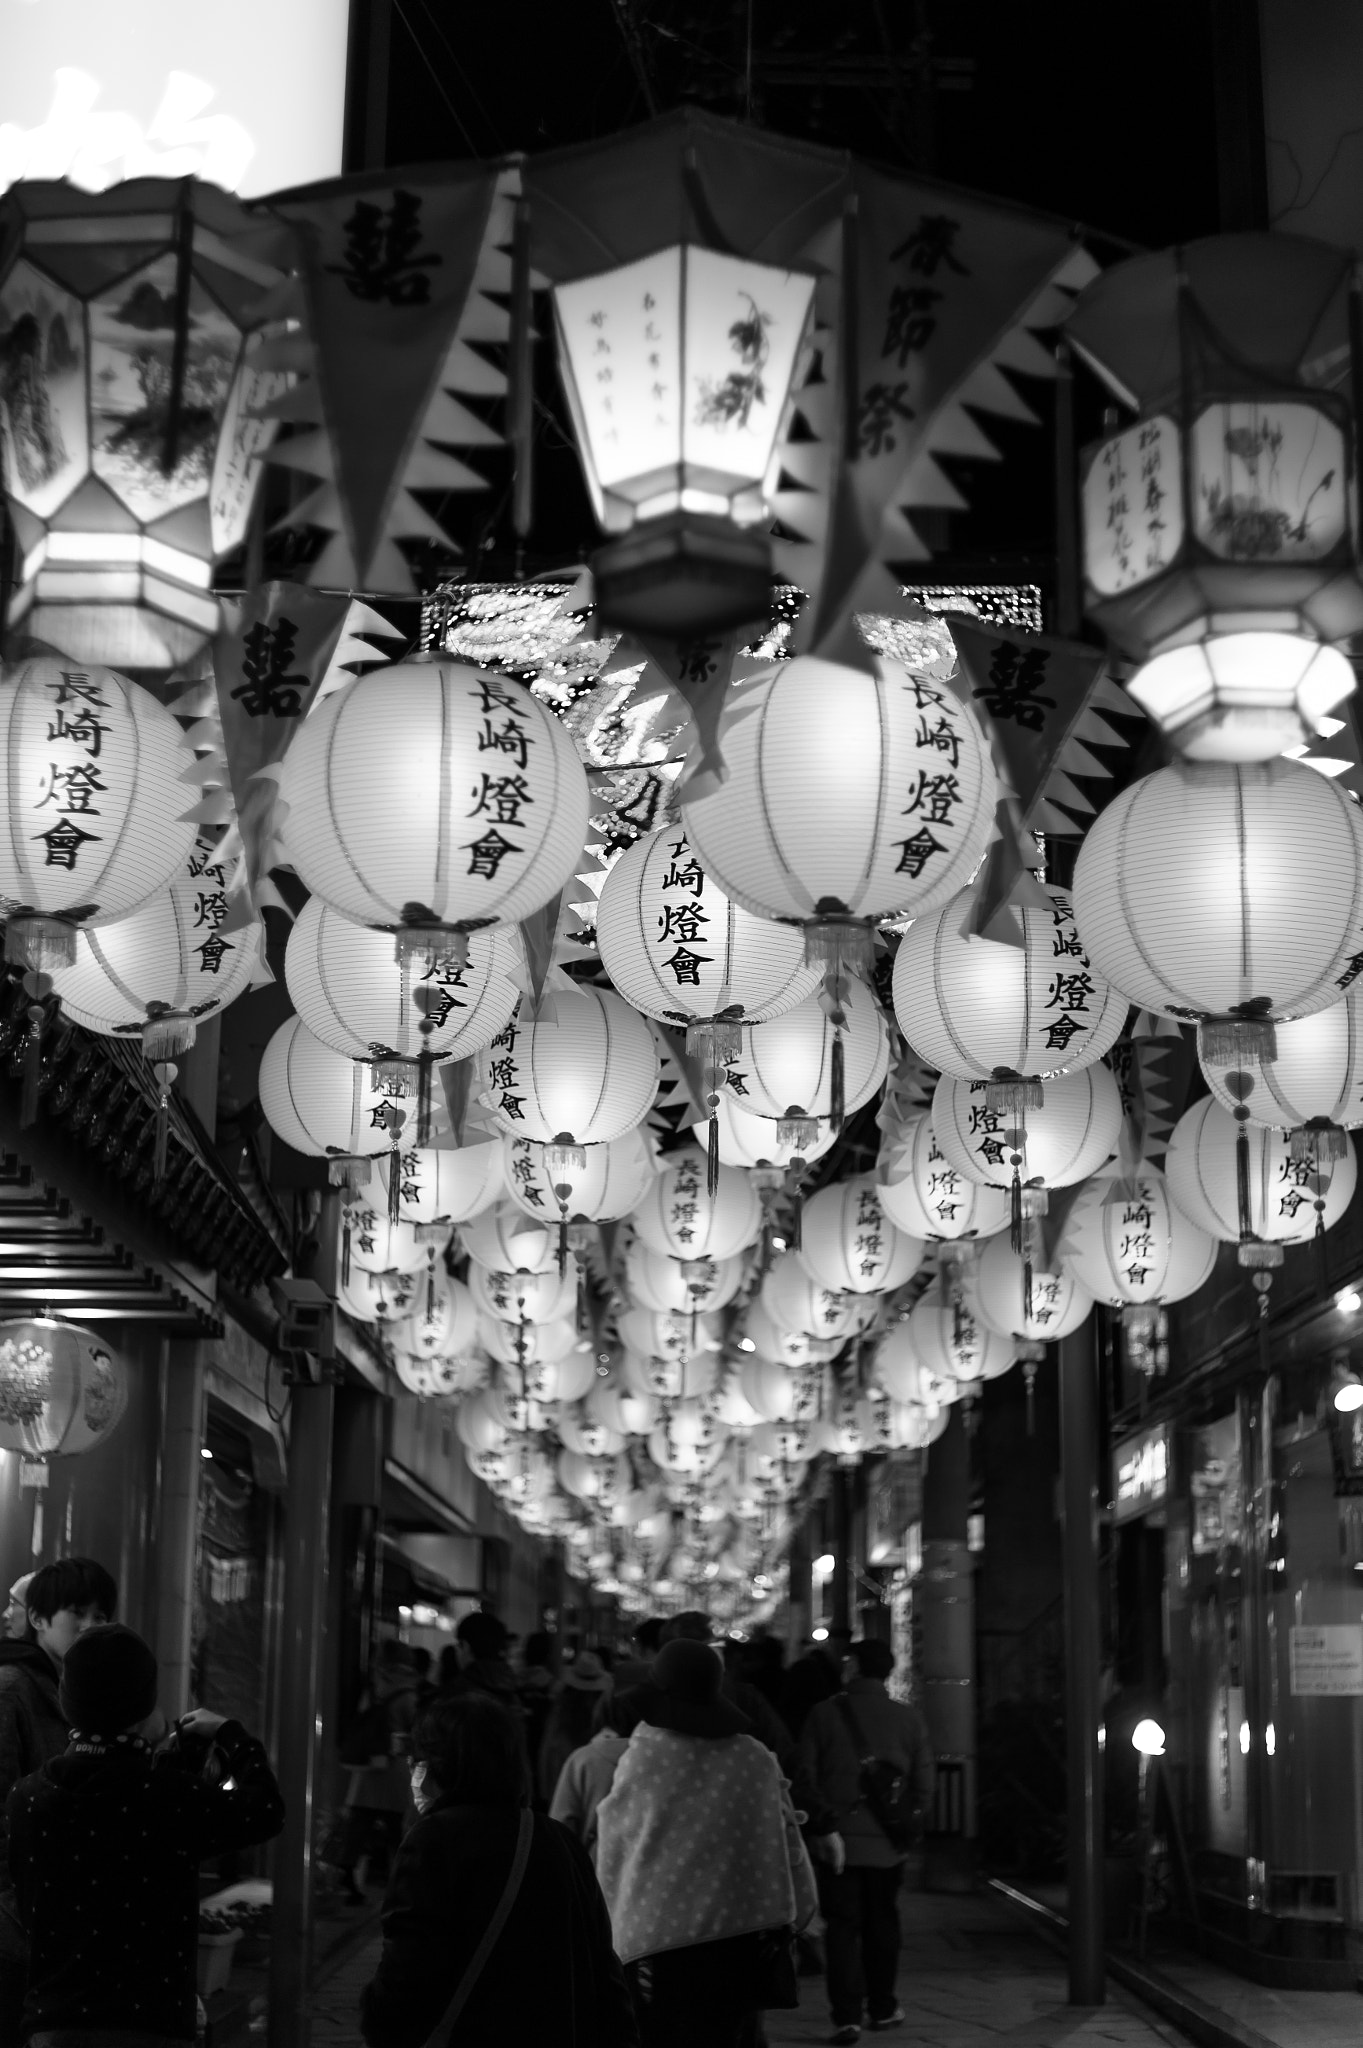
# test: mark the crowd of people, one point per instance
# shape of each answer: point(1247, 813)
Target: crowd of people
point(632, 1852)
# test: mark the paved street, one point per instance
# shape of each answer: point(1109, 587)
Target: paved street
point(970, 1977)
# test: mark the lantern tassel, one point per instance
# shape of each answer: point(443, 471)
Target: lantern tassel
point(37, 987)
point(165, 1072)
point(1015, 1212)
point(1027, 1288)
point(345, 1253)
point(562, 1246)
point(1244, 1217)
point(1029, 1380)
point(797, 1223)
point(837, 1082)
point(394, 1185)
point(712, 1158)
point(430, 1292)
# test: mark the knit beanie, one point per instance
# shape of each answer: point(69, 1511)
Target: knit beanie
point(108, 1680)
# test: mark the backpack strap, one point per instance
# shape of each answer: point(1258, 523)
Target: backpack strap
point(491, 1933)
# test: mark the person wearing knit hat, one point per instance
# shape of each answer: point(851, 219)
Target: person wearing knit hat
point(105, 1843)
point(700, 1858)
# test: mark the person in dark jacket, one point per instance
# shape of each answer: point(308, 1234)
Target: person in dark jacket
point(62, 1600)
point(814, 1677)
point(861, 1903)
point(105, 1844)
point(552, 1975)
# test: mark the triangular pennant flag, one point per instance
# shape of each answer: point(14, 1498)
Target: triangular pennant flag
point(1034, 690)
point(538, 932)
point(389, 262)
point(1008, 882)
point(269, 660)
point(700, 671)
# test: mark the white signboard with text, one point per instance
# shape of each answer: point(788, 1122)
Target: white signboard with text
point(251, 97)
point(1327, 1662)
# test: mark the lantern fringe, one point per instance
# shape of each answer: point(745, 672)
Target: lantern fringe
point(795, 1128)
point(437, 1234)
point(165, 1071)
point(166, 1036)
point(435, 948)
point(564, 1156)
point(1011, 1094)
point(1318, 1140)
point(1227, 1041)
point(352, 1174)
point(715, 1042)
point(394, 1076)
point(1036, 1202)
point(41, 943)
point(1255, 1255)
point(839, 944)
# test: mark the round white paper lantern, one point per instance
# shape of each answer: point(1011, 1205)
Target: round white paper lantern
point(431, 1379)
point(1232, 894)
point(1054, 1306)
point(936, 1199)
point(476, 1424)
point(954, 1343)
point(680, 1217)
point(733, 1411)
point(352, 993)
point(522, 1297)
point(614, 1179)
point(691, 1286)
point(668, 1334)
point(770, 1389)
point(326, 1105)
point(380, 1246)
point(378, 1297)
point(791, 1348)
point(757, 1141)
point(670, 1379)
point(1283, 1192)
point(621, 1407)
point(678, 949)
point(443, 1322)
point(795, 1300)
point(506, 1239)
point(588, 1076)
point(849, 795)
point(94, 810)
point(166, 967)
point(432, 798)
point(1065, 1140)
point(981, 1010)
point(849, 1245)
point(565, 1378)
point(526, 1344)
point(439, 1186)
point(899, 1370)
point(1313, 1083)
point(785, 1068)
point(580, 1432)
point(1129, 1244)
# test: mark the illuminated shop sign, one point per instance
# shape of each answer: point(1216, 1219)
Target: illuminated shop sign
point(1140, 1473)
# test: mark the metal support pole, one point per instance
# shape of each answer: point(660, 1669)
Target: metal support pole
point(181, 1467)
point(1079, 1469)
point(305, 1585)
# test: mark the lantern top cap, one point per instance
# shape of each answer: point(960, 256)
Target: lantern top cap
point(1277, 303)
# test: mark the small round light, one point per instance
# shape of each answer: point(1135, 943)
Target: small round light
point(1349, 1301)
point(1244, 1738)
point(1348, 1396)
point(1148, 1737)
point(820, 1635)
point(1271, 1739)
point(746, 1344)
point(826, 1563)
point(204, 1451)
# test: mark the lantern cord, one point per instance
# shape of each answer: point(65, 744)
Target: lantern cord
point(1029, 1379)
point(712, 1156)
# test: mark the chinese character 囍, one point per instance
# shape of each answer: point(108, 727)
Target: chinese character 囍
point(269, 690)
point(1013, 687)
point(381, 253)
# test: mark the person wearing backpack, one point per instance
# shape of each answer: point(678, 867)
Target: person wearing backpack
point(871, 1759)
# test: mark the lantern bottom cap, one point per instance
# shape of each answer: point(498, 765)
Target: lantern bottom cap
point(684, 574)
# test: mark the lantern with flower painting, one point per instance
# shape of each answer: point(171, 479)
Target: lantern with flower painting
point(1220, 527)
point(62, 1391)
point(132, 408)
